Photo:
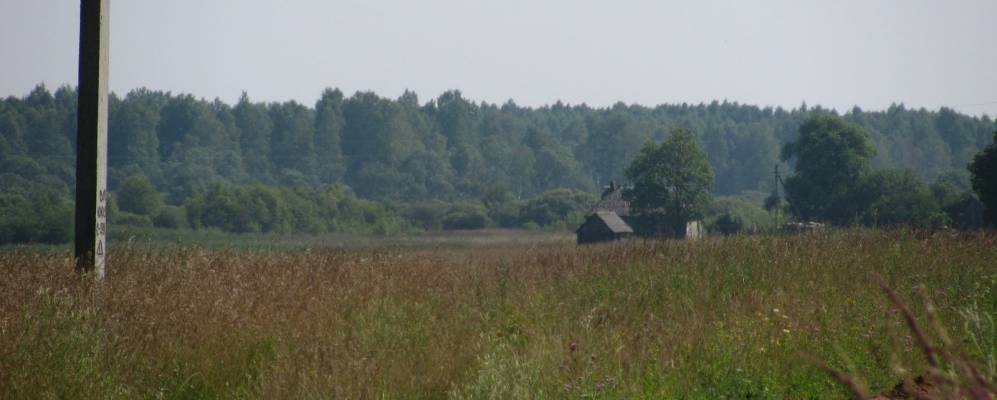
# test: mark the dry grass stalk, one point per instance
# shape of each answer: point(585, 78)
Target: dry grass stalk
point(710, 319)
point(949, 375)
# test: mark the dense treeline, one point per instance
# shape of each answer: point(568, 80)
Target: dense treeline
point(474, 159)
point(833, 182)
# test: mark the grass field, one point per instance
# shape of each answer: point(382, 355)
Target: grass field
point(213, 239)
point(498, 316)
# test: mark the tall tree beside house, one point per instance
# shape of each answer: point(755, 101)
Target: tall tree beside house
point(831, 158)
point(671, 182)
point(984, 170)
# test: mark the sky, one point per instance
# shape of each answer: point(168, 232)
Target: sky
point(839, 54)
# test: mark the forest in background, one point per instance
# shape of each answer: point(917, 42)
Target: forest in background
point(367, 163)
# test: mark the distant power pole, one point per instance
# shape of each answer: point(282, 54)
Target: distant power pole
point(91, 149)
point(778, 202)
point(777, 180)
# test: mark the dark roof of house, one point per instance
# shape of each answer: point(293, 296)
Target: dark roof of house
point(612, 200)
point(613, 222)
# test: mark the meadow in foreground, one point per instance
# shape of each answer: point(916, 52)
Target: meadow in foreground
point(720, 318)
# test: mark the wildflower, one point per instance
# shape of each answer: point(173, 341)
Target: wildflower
point(573, 346)
point(784, 330)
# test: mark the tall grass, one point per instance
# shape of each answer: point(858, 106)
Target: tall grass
point(720, 318)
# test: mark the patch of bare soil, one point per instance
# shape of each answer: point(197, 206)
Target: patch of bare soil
point(921, 388)
point(917, 388)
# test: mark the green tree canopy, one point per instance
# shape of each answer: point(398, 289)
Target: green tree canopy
point(556, 206)
point(831, 158)
point(451, 148)
point(896, 197)
point(137, 195)
point(671, 182)
point(984, 170)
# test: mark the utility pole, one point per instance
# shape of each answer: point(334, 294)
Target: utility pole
point(90, 243)
point(776, 193)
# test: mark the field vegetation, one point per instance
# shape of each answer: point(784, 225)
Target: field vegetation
point(734, 317)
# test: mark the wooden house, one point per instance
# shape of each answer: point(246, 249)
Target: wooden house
point(610, 219)
point(603, 226)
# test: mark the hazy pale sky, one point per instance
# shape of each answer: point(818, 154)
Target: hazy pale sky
point(868, 53)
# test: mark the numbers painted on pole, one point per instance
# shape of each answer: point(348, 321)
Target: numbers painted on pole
point(101, 224)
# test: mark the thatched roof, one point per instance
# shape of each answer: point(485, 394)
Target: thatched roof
point(613, 222)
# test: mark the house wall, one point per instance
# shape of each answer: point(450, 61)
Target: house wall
point(593, 231)
point(642, 227)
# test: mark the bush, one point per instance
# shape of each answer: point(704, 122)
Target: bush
point(42, 216)
point(465, 216)
point(426, 215)
point(984, 171)
point(727, 224)
point(138, 196)
point(729, 216)
point(963, 210)
point(170, 217)
point(249, 209)
point(557, 206)
point(223, 207)
point(896, 197)
point(503, 208)
point(506, 215)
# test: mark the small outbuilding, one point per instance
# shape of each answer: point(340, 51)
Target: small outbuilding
point(603, 226)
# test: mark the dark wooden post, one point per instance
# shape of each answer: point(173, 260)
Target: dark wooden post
point(91, 149)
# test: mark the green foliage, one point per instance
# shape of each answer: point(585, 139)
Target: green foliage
point(726, 318)
point(41, 216)
point(726, 224)
point(671, 183)
point(258, 208)
point(614, 141)
point(132, 124)
point(401, 151)
point(426, 215)
point(138, 196)
point(559, 206)
point(503, 208)
point(444, 149)
point(891, 198)
point(831, 158)
point(63, 350)
point(729, 216)
point(963, 209)
point(170, 217)
point(225, 208)
point(61, 353)
point(984, 170)
point(833, 183)
point(465, 216)
point(329, 121)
